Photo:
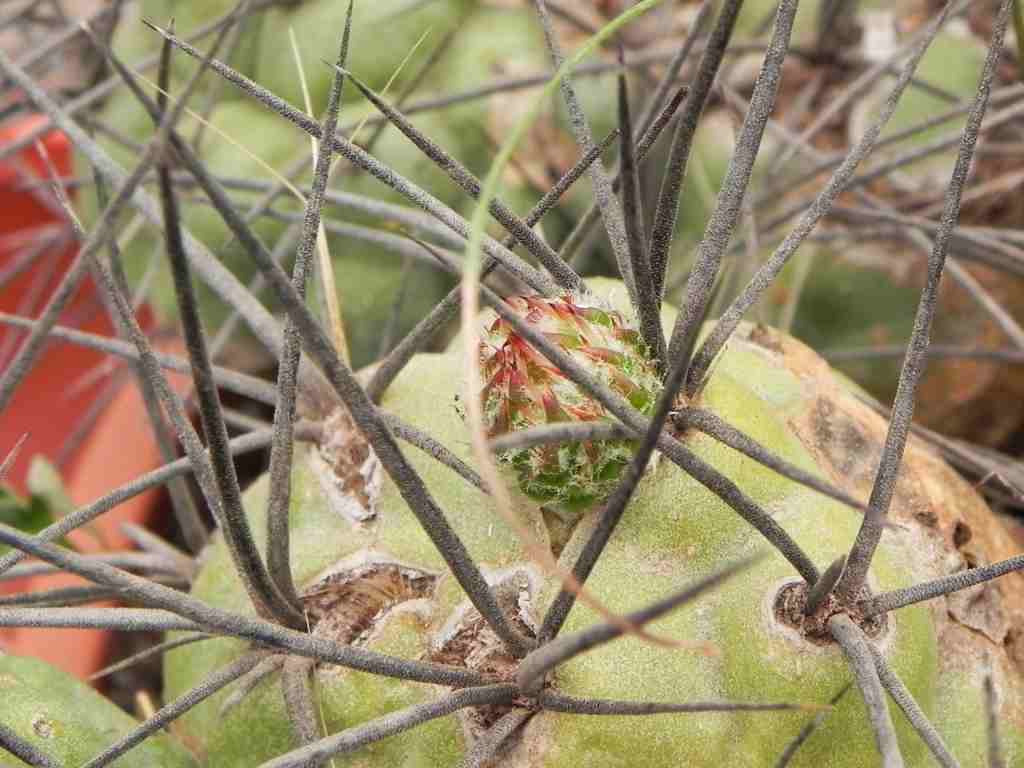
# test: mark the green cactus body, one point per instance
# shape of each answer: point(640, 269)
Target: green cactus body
point(322, 536)
point(69, 721)
point(135, 41)
point(674, 532)
point(955, 59)
point(391, 25)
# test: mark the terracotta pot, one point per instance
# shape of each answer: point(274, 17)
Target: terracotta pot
point(49, 403)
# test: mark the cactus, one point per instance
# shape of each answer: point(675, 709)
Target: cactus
point(593, 529)
point(524, 390)
point(50, 715)
point(779, 393)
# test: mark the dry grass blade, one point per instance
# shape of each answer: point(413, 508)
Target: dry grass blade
point(870, 532)
point(329, 294)
point(12, 456)
point(279, 565)
point(436, 55)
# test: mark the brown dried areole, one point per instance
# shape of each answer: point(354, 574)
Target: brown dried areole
point(466, 640)
point(346, 604)
point(790, 606)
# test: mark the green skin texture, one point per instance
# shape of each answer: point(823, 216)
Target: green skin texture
point(674, 532)
point(954, 61)
point(69, 721)
point(383, 33)
point(133, 40)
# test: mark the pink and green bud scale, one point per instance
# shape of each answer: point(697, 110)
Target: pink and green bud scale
point(524, 389)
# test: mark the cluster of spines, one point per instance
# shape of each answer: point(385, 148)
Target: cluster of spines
point(524, 389)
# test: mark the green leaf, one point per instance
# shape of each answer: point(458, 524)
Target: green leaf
point(47, 501)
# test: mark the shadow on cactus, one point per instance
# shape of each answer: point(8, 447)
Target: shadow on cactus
point(762, 564)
